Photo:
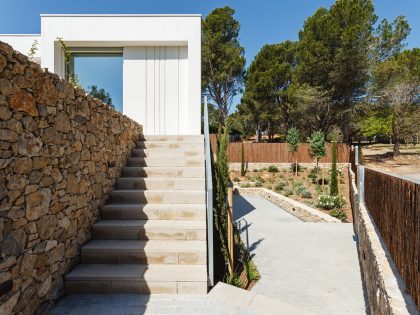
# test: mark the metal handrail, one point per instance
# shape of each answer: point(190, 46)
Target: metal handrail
point(209, 196)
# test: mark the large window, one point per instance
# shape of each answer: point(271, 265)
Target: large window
point(99, 73)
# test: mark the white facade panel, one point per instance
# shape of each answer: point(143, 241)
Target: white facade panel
point(161, 62)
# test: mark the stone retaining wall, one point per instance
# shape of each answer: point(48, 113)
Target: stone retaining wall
point(386, 291)
point(60, 154)
point(300, 210)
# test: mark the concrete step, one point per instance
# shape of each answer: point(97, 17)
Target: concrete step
point(173, 139)
point(157, 196)
point(144, 252)
point(169, 145)
point(156, 171)
point(150, 230)
point(154, 212)
point(160, 183)
point(153, 153)
point(166, 161)
point(133, 278)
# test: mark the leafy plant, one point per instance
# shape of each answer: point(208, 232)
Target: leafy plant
point(313, 174)
point(33, 49)
point(317, 145)
point(243, 170)
point(236, 179)
point(255, 170)
point(288, 192)
point(280, 185)
point(339, 214)
point(246, 185)
point(260, 179)
point(329, 202)
point(69, 75)
point(292, 139)
point(334, 172)
point(306, 193)
point(258, 184)
point(272, 169)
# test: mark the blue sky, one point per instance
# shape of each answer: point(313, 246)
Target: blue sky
point(262, 21)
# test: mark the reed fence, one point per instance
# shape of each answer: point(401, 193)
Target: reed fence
point(278, 152)
point(394, 204)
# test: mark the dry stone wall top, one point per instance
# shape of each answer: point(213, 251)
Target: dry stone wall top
point(61, 151)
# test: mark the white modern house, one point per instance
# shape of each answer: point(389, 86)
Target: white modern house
point(151, 64)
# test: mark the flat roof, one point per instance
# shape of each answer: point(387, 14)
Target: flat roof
point(122, 15)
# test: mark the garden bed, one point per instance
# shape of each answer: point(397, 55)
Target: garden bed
point(304, 188)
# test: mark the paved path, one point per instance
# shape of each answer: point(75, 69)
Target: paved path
point(313, 266)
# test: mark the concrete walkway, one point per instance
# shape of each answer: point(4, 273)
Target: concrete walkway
point(312, 266)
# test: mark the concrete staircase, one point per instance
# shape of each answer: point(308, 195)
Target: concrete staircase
point(152, 236)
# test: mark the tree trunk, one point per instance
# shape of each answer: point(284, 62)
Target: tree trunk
point(257, 134)
point(346, 118)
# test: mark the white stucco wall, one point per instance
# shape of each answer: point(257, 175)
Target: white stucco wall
point(161, 62)
point(132, 32)
point(23, 42)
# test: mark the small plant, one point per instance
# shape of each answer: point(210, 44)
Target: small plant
point(280, 186)
point(299, 188)
point(70, 76)
point(246, 185)
point(317, 145)
point(236, 179)
point(255, 170)
point(306, 193)
point(329, 202)
point(288, 192)
point(313, 174)
point(339, 214)
point(292, 139)
point(270, 187)
point(251, 271)
point(243, 170)
point(273, 169)
point(334, 172)
point(33, 49)
point(258, 184)
point(260, 179)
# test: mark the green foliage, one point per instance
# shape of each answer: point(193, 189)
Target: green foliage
point(313, 174)
point(258, 183)
point(334, 172)
point(223, 59)
point(101, 94)
point(70, 76)
point(272, 169)
point(292, 139)
point(306, 193)
point(317, 145)
point(255, 170)
point(377, 123)
point(288, 191)
point(251, 270)
point(236, 179)
point(242, 160)
point(280, 186)
point(329, 202)
point(339, 214)
point(334, 50)
point(33, 49)
point(246, 185)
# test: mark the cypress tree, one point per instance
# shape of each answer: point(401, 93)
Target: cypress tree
point(334, 173)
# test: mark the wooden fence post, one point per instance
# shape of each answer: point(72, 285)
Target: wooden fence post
point(230, 229)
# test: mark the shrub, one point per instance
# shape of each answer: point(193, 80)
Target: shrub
point(258, 184)
point(246, 185)
point(339, 214)
point(306, 193)
point(260, 179)
point(329, 202)
point(273, 169)
point(255, 170)
point(242, 160)
point(288, 192)
point(236, 179)
point(313, 174)
point(280, 185)
point(334, 173)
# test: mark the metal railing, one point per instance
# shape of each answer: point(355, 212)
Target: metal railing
point(209, 196)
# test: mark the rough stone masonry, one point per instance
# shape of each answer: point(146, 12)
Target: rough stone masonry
point(61, 151)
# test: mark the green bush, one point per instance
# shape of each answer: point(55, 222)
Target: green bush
point(313, 174)
point(273, 169)
point(306, 193)
point(339, 214)
point(299, 188)
point(255, 170)
point(288, 192)
point(280, 185)
point(334, 172)
point(258, 184)
point(329, 202)
point(260, 179)
point(236, 179)
point(246, 185)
